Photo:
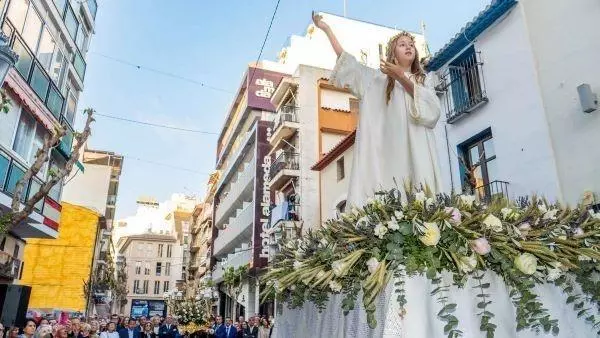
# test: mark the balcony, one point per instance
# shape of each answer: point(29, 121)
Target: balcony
point(240, 189)
point(9, 266)
point(488, 192)
point(234, 260)
point(286, 124)
point(464, 86)
point(43, 222)
point(239, 228)
point(285, 167)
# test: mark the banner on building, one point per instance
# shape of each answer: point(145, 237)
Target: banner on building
point(263, 197)
point(261, 86)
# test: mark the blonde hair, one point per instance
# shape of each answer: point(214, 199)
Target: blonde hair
point(415, 67)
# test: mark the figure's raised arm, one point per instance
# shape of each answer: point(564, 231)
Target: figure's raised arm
point(318, 21)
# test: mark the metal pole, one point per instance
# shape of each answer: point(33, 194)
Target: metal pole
point(344, 8)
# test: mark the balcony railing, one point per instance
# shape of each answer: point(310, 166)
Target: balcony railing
point(112, 200)
point(488, 192)
point(9, 266)
point(286, 114)
point(286, 160)
point(238, 225)
point(285, 212)
point(234, 261)
point(236, 190)
point(93, 7)
point(464, 85)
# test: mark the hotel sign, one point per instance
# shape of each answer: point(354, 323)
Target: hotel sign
point(261, 86)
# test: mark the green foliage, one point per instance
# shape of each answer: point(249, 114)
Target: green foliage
point(527, 243)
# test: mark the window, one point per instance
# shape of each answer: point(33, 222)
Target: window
point(17, 13)
point(160, 249)
point(167, 269)
point(186, 239)
point(341, 207)
point(34, 187)
point(138, 268)
point(29, 138)
point(40, 82)
point(55, 102)
point(32, 29)
point(60, 5)
point(479, 166)
point(169, 250)
point(56, 163)
point(57, 67)
point(166, 286)
point(156, 287)
point(136, 287)
point(466, 84)
point(16, 251)
point(3, 243)
point(158, 268)
point(82, 37)
point(16, 173)
point(25, 60)
point(145, 287)
point(71, 107)
point(71, 22)
point(79, 65)
point(341, 173)
point(46, 49)
point(147, 269)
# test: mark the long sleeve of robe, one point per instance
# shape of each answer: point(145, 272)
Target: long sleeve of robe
point(395, 141)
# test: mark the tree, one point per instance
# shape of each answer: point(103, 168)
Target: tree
point(18, 212)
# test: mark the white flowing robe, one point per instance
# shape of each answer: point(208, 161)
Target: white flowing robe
point(395, 141)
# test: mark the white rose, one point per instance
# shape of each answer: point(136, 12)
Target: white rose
point(508, 214)
point(338, 268)
point(335, 286)
point(492, 222)
point(399, 214)
point(372, 265)
point(297, 265)
point(431, 234)
point(578, 232)
point(550, 214)
point(420, 197)
point(467, 264)
point(526, 263)
point(467, 200)
point(429, 202)
point(524, 226)
point(380, 230)
point(542, 208)
point(393, 224)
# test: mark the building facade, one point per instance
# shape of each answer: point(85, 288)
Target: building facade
point(51, 39)
point(58, 283)
point(521, 131)
point(96, 187)
point(242, 195)
point(152, 261)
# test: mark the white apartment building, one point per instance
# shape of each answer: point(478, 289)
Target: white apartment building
point(512, 115)
point(242, 196)
point(50, 38)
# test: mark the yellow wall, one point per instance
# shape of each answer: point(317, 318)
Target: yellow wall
point(56, 268)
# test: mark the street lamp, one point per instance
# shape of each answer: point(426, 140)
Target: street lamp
point(8, 57)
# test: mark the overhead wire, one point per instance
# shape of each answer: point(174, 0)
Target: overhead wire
point(164, 73)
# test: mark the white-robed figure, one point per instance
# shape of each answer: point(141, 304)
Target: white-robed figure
point(395, 141)
point(398, 111)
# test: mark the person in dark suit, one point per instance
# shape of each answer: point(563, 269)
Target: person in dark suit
point(169, 330)
point(131, 331)
point(252, 329)
point(226, 331)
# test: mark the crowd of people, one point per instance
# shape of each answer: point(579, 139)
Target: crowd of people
point(142, 327)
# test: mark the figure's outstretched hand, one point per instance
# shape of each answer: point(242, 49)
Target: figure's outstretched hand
point(318, 21)
point(390, 69)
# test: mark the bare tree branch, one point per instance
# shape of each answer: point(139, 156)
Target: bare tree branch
point(18, 214)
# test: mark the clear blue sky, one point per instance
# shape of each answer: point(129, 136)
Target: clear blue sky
point(211, 42)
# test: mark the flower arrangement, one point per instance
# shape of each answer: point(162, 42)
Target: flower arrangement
point(189, 312)
point(527, 242)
